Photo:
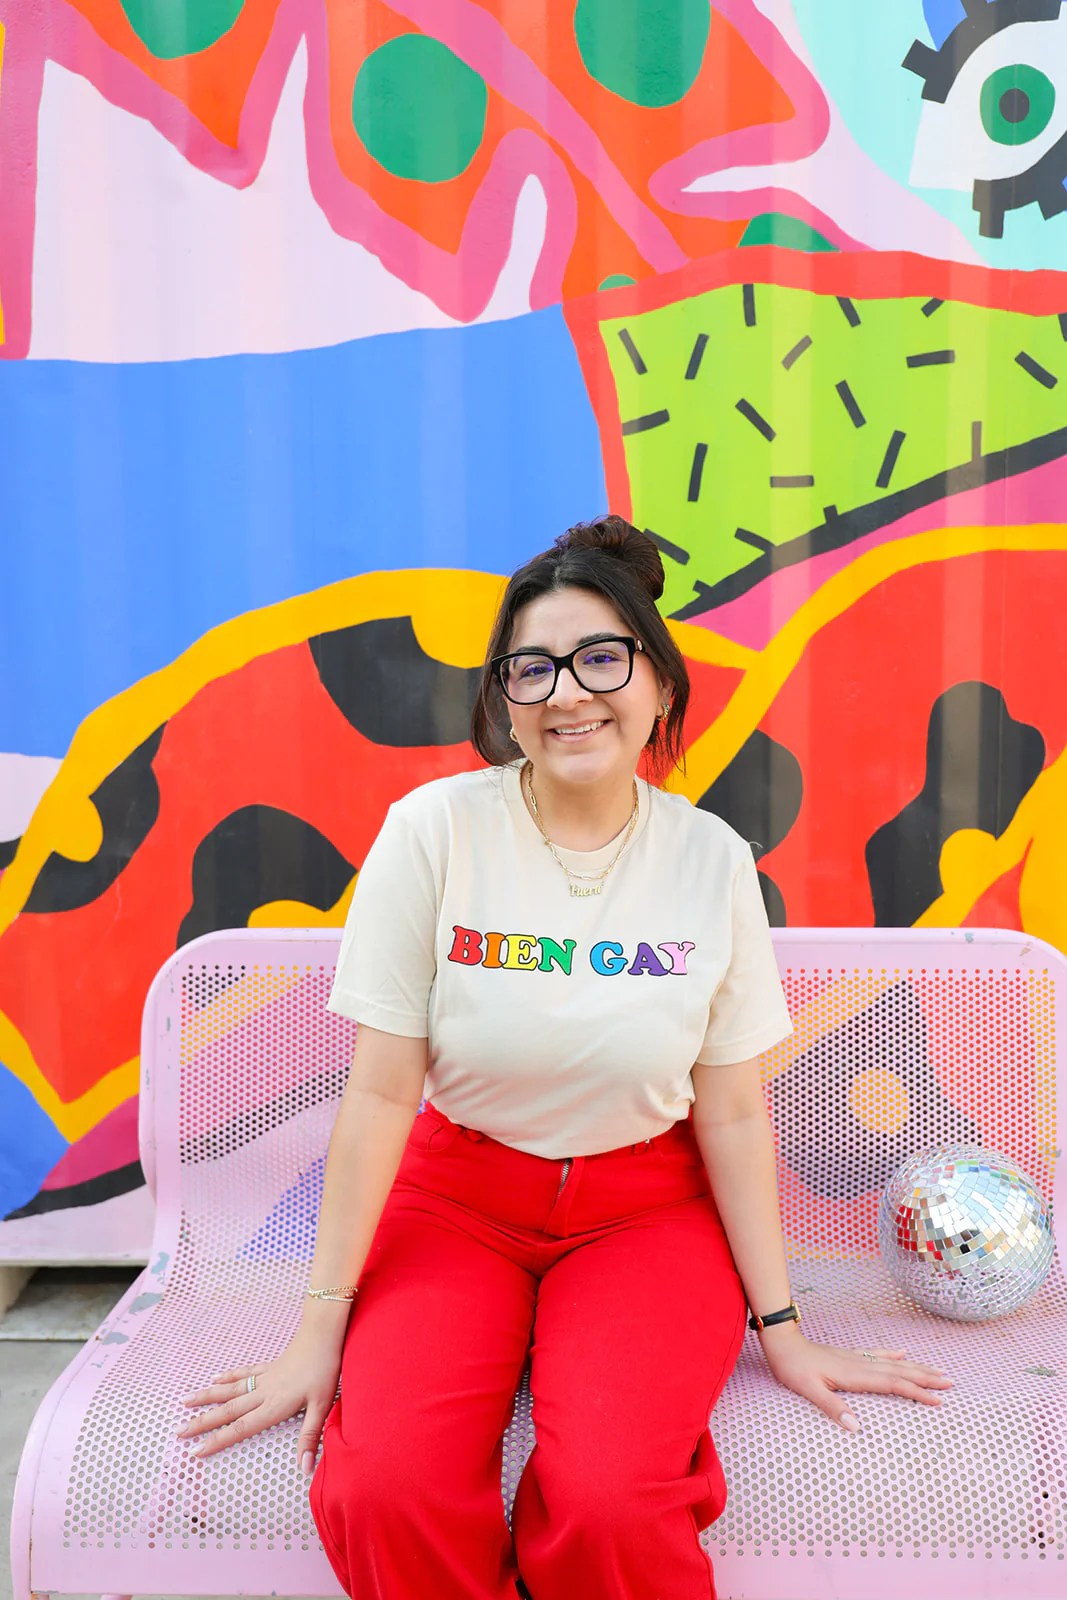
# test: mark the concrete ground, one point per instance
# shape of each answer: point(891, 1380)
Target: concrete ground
point(53, 1315)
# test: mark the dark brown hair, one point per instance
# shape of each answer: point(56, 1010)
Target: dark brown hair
point(608, 557)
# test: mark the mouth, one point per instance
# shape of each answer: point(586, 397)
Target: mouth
point(580, 730)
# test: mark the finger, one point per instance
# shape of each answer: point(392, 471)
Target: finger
point(307, 1446)
point(233, 1432)
point(222, 1387)
point(219, 1416)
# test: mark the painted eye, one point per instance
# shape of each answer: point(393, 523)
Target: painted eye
point(603, 656)
point(532, 670)
point(1016, 103)
point(992, 119)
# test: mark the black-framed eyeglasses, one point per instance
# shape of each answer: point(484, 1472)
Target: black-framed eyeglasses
point(601, 666)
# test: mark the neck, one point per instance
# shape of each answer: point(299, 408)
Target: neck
point(582, 816)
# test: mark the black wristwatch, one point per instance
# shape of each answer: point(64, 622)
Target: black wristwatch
point(790, 1314)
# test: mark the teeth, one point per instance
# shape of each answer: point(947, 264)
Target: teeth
point(587, 727)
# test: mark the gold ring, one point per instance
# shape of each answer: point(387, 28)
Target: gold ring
point(250, 1383)
point(867, 1355)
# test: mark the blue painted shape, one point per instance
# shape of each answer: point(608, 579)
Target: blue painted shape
point(145, 503)
point(289, 1231)
point(30, 1144)
point(941, 17)
point(294, 1217)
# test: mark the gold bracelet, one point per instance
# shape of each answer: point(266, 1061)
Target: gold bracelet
point(342, 1291)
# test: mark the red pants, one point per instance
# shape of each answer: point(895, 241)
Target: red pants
point(617, 1285)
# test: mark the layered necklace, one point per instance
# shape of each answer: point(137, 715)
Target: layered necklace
point(581, 884)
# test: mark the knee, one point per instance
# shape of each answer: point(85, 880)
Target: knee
point(594, 1495)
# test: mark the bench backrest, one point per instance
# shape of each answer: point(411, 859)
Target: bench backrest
point(904, 1038)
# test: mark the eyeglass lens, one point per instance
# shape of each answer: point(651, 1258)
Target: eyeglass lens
point(600, 668)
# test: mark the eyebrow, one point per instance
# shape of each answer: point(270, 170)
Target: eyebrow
point(588, 638)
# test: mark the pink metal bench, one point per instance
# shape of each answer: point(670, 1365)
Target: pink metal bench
point(902, 1038)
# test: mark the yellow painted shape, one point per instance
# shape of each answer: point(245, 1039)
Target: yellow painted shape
point(712, 752)
point(1037, 832)
point(440, 603)
point(878, 1100)
point(297, 914)
point(73, 1118)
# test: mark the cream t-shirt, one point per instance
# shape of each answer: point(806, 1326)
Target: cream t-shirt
point(557, 1025)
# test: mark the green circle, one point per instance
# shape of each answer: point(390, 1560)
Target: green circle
point(171, 30)
point(419, 110)
point(616, 280)
point(646, 51)
point(1016, 103)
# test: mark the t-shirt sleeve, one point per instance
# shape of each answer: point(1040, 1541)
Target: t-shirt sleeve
point(387, 963)
point(748, 1012)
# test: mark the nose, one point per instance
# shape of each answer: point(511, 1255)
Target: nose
point(567, 691)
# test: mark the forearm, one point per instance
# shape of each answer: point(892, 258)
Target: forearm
point(365, 1151)
point(740, 1160)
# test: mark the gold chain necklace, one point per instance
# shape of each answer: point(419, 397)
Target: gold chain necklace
point(582, 884)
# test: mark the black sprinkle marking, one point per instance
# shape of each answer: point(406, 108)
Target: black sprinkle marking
point(750, 414)
point(651, 419)
point(1062, 319)
point(848, 400)
point(675, 551)
point(889, 460)
point(748, 300)
point(756, 540)
point(829, 513)
point(931, 306)
point(852, 316)
point(632, 351)
point(696, 471)
point(798, 481)
point(976, 441)
point(996, 466)
point(697, 356)
point(1036, 370)
point(797, 350)
point(932, 358)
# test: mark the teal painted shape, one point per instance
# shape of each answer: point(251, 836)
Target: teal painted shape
point(418, 109)
point(789, 233)
point(646, 51)
point(173, 28)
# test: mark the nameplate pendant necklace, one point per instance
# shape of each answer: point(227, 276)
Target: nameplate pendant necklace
point(581, 884)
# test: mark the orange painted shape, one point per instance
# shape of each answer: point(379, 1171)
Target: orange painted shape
point(215, 82)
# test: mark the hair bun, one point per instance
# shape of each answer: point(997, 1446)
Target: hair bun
point(619, 538)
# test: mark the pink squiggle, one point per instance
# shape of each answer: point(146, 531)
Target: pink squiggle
point(1030, 498)
point(752, 202)
point(481, 41)
point(20, 94)
point(766, 144)
point(460, 283)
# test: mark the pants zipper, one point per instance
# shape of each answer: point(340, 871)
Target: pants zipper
point(563, 1175)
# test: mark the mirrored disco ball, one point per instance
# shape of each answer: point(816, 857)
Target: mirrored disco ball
point(964, 1232)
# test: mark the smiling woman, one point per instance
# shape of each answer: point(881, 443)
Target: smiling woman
point(594, 1166)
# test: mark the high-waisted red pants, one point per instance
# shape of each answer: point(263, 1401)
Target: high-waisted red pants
point(614, 1279)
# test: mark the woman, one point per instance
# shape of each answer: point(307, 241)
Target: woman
point(578, 968)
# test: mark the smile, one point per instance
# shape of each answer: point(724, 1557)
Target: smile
point(576, 732)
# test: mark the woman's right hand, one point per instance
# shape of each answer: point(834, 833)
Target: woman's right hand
point(303, 1378)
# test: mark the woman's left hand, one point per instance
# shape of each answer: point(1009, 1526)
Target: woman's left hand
point(820, 1371)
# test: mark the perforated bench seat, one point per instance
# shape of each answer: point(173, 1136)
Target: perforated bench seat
point(903, 1038)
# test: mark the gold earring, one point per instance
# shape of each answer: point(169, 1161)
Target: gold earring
point(665, 709)
point(511, 734)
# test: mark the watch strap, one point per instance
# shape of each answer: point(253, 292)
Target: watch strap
point(789, 1313)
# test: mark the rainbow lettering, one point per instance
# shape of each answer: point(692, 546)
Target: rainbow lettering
point(530, 952)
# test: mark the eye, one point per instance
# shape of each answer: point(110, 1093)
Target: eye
point(992, 118)
point(604, 655)
point(532, 670)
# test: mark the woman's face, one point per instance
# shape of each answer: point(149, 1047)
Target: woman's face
point(577, 736)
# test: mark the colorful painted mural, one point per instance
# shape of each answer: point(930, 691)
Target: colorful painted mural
point(321, 314)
